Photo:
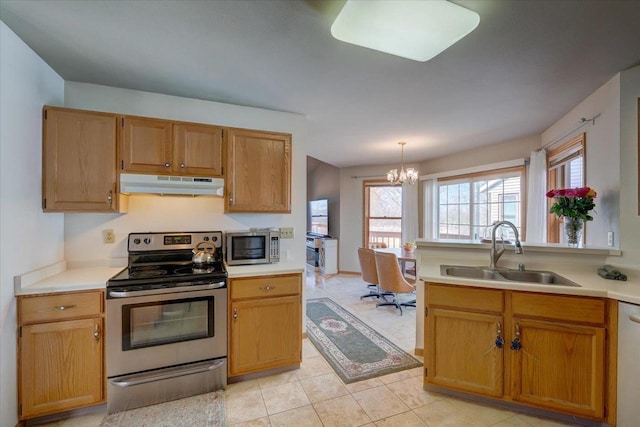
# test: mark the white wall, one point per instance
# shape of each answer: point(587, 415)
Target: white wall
point(29, 239)
point(603, 155)
point(351, 196)
point(629, 215)
point(83, 236)
point(510, 150)
point(351, 210)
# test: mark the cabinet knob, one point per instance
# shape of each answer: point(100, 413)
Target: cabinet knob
point(235, 313)
point(166, 165)
point(267, 288)
point(110, 198)
point(64, 307)
point(96, 333)
point(182, 165)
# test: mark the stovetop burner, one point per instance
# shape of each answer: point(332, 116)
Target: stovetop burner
point(157, 258)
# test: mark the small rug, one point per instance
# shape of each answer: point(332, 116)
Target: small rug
point(203, 410)
point(354, 350)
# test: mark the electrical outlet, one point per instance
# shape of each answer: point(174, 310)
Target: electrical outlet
point(286, 232)
point(610, 238)
point(108, 236)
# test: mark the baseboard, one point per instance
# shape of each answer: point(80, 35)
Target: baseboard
point(353, 273)
point(418, 351)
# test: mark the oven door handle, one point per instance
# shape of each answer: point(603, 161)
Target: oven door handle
point(174, 289)
point(136, 379)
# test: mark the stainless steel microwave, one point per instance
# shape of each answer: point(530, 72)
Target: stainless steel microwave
point(259, 246)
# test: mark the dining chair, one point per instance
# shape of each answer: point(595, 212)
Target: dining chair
point(390, 279)
point(369, 271)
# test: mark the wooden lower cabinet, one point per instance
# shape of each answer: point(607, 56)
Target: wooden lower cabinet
point(560, 367)
point(265, 319)
point(60, 353)
point(554, 356)
point(463, 354)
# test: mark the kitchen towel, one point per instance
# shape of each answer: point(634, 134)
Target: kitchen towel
point(609, 272)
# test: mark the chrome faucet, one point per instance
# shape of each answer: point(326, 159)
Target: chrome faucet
point(496, 254)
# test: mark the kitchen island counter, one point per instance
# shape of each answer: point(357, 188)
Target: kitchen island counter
point(586, 276)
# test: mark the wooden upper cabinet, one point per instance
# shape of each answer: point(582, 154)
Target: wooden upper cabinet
point(146, 145)
point(165, 147)
point(79, 161)
point(197, 149)
point(258, 176)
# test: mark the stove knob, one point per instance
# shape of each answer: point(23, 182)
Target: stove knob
point(206, 239)
point(136, 241)
point(214, 238)
point(147, 240)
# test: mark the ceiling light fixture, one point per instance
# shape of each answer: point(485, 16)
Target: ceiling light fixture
point(413, 29)
point(410, 175)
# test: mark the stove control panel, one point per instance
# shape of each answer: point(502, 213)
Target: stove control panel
point(146, 242)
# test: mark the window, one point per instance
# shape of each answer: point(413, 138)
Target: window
point(382, 214)
point(565, 169)
point(469, 204)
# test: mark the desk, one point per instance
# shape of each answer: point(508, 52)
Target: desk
point(402, 255)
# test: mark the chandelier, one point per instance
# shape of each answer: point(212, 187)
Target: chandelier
point(410, 175)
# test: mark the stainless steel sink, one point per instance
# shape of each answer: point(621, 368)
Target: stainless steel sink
point(505, 275)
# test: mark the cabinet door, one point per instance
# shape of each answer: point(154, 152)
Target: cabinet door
point(258, 176)
point(197, 149)
point(79, 161)
point(265, 333)
point(61, 366)
point(560, 366)
point(462, 352)
point(146, 145)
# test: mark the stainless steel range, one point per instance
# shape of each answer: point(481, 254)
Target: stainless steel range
point(166, 321)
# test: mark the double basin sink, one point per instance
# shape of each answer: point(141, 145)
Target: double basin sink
point(506, 275)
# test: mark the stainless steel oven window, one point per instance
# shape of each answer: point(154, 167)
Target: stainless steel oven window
point(152, 324)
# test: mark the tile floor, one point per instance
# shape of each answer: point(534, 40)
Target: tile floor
point(315, 396)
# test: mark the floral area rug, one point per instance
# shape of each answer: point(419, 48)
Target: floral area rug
point(203, 410)
point(354, 350)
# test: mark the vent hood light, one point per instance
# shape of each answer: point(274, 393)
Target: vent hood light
point(133, 183)
point(413, 29)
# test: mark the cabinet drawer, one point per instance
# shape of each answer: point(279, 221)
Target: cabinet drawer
point(266, 286)
point(59, 306)
point(559, 307)
point(464, 298)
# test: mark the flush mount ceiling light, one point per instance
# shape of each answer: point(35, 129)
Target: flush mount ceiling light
point(410, 175)
point(413, 29)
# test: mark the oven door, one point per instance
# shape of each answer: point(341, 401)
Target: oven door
point(150, 331)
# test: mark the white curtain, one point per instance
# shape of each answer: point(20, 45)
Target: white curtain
point(429, 209)
point(409, 212)
point(536, 199)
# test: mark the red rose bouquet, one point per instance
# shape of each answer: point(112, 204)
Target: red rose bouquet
point(573, 202)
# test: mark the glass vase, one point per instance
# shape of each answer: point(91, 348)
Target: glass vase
point(573, 228)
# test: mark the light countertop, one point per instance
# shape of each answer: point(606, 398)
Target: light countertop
point(61, 277)
point(584, 275)
point(282, 267)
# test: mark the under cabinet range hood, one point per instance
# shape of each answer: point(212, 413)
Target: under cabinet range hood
point(134, 183)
